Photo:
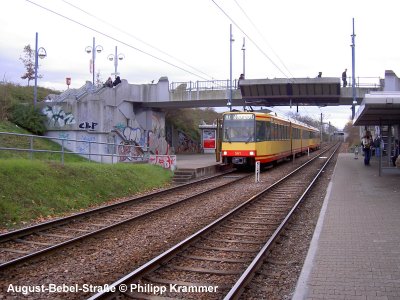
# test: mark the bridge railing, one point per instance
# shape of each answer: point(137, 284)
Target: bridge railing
point(206, 85)
point(218, 85)
point(366, 82)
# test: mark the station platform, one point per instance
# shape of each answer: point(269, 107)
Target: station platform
point(355, 250)
point(194, 161)
point(192, 166)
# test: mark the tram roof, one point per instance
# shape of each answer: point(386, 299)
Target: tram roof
point(274, 116)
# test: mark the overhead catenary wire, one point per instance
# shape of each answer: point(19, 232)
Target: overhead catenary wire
point(263, 37)
point(250, 39)
point(115, 39)
point(136, 38)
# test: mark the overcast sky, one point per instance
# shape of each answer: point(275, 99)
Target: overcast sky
point(189, 40)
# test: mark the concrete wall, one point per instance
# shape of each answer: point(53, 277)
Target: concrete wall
point(392, 82)
point(110, 115)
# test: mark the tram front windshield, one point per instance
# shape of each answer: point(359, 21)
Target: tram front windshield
point(238, 128)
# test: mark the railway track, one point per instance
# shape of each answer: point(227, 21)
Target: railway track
point(21, 245)
point(219, 260)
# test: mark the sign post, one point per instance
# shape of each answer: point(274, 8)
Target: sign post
point(257, 171)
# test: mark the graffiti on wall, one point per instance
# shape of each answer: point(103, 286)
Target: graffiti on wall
point(83, 146)
point(57, 117)
point(130, 152)
point(65, 136)
point(186, 144)
point(132, 141)
point(157, 141)
point(165, 161)
point(87, 125)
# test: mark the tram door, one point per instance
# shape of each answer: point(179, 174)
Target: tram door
point(218, 137)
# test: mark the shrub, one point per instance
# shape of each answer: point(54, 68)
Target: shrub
point(28, 117)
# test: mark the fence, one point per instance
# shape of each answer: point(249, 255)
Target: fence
point(113, 152)
point(209, 85)
point(215, 85)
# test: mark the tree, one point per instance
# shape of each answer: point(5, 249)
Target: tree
point(29, 63)
point(99, 80)
point(353, 134)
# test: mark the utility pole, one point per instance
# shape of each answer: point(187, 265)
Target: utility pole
point(353, 68)
point(231, 40)
point(244, 57)
point(322, 126)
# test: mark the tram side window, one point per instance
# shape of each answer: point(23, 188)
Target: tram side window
point(272, 131)
point(268, 131)
point(278, 132)
point(296, 133)
point(260, 131)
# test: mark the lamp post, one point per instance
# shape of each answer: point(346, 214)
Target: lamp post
point(231, 40)
point(116, 57)
point(39, 53)
point(353, 67)
point(244, 57)
point(93, 50)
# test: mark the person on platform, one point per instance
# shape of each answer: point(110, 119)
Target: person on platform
point(377, 146)
point(367, 143)
point(319, 75)
point(117, 81)
point(344, 78)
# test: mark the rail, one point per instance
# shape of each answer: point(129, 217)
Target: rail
point(136, 275)
point(86, 147)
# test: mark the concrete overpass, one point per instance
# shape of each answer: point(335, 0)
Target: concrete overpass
point(262, 92)
point(134, 114)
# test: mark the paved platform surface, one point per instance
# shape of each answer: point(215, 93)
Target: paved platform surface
point(355, 250)
point(195, 161)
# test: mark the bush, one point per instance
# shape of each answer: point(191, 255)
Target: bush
point(29, 118)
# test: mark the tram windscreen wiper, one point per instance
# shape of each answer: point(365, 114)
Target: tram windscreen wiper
point(249, 139)
point(227, 136)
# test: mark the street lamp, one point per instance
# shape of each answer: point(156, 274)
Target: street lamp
point(116, 57)
point(231, 40)
point(39, 53)
point(244, 57)
point(93, 49)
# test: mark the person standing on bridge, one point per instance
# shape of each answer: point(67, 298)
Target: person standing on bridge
point(241, 77)
point(344, 78)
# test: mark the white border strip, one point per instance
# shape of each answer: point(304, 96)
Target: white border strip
point(301, 288)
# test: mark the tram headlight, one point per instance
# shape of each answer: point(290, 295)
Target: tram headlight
point(251, 153)
point(225, 153)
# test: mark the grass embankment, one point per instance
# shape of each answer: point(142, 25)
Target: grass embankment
point(41, 187)
point(23, 142)
point(32, 189)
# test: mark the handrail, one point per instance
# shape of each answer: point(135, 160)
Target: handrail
point(209, 85)
point(90, 154)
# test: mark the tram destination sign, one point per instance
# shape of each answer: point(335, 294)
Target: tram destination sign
point(239, 117)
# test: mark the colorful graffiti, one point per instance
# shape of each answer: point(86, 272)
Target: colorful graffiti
point(57, 117)
point(165, 161)
point(157, 141)
point(129, 152)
